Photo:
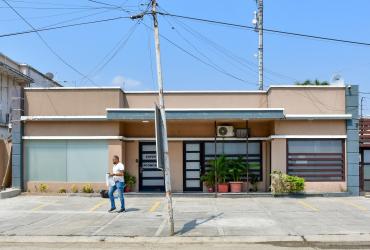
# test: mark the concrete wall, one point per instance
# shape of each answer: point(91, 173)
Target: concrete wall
point(315, 127)
point(176, 164)
point(131, 152)
point(308, 100)
point(278, 155)
point(295, 100)
point(195, 128)
point(42, 128)
point(197, 100)
point(61, 102)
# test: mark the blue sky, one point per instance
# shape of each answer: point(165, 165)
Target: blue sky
point(287, 58)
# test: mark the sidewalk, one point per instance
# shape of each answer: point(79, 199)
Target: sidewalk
point(205, 220)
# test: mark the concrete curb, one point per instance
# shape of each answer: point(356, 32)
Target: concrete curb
point(199, 195)
point(314, 239)
point(10, 193)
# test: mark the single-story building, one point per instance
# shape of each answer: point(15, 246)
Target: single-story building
point(69, 135)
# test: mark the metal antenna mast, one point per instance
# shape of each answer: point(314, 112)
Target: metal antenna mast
point(258, 21)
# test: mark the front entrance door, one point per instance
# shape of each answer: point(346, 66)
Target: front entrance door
point(365, 170)
point(151, 179)
point(192, 166)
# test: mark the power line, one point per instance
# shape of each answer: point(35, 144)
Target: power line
point(47, 45)
point(268, 30)
point(201, 60)
point(233, 58)
point(63, 26)
point(112, 53)
point(55, 8)
point(210, 61)
point(47, 16)
point(108, 4)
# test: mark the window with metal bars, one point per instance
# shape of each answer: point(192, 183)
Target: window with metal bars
point(317, 159)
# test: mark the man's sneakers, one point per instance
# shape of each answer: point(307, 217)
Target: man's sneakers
point(119, 211)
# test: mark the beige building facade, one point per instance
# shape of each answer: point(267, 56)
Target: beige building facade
point(71, 134)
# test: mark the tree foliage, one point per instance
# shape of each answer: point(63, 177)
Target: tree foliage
point(315, 82)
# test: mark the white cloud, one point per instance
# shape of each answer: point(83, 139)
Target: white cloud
point(126, 83)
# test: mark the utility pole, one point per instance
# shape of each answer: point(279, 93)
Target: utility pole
point(167, 174)
point(260, 43)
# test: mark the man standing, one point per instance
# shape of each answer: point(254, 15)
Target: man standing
point(119, 184)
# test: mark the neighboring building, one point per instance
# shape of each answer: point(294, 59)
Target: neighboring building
point(12, 75)
point(71, 134)
point(365, 154)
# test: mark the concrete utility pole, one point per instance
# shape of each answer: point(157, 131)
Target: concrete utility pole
point(167, 174)
point(260, 43)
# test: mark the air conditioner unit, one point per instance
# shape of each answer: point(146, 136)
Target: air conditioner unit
point(225, 131)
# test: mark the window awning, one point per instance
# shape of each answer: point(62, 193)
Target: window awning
point(197, 114)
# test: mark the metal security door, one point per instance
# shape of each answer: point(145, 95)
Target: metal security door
point(151, 178)
point(192, 166)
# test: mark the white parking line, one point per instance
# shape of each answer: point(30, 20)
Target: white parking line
point(108, 224)
point(161, 227)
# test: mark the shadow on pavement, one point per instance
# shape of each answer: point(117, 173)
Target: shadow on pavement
point(193, 224)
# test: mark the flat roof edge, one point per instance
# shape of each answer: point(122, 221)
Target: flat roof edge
point(194, 109)
point(64, 118)
point(72, 88)
point(189, 91)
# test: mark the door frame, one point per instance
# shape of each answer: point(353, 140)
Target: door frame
point(362, 170)
point(140, 174)
point(201, 170)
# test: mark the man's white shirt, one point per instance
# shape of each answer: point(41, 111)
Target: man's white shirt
point(116, 170)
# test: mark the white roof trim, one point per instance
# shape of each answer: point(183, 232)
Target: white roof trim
point(308, 136)
point(196, 139)
point(72, 137)
point(199, 92)
point(197, 109)
point(183, 138)
point(318, 116)
point(72, 88)
point(64, 118)
point(190, 91)
point(138, 138)
point(306, 86)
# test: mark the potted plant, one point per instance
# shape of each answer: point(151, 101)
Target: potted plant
point(130, 181)
point(209, 179)
point(235, 169)
point(219, 168)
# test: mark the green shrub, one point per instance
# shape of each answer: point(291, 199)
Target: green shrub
point(62, 191)
point(87, 189)
point(43, 188)
point(74, 189)
point(283, 183)
point(294, 183)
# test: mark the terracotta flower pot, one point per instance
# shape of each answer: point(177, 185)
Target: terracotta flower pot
point(127, 189)
point(223, 187)
point(236, 186)
point(210, 190)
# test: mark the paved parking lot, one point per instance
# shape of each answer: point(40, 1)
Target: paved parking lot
point(194, 216)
